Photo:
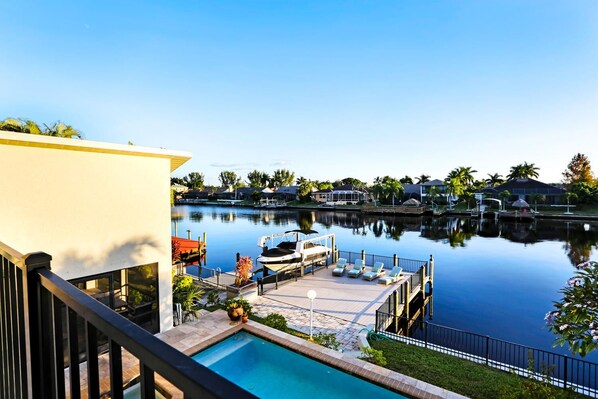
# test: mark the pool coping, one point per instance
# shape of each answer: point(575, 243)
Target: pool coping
point(392, 380)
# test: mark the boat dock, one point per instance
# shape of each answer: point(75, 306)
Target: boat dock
point(354, 299)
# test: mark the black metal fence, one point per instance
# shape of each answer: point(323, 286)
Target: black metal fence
point(39, 314)
point(408, 265)
point(564, 371)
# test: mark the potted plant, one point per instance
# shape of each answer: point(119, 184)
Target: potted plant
point(236, 308)
point(243, 284)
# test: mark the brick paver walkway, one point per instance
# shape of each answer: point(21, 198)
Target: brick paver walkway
point(298, 319)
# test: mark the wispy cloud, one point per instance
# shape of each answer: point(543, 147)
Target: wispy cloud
point(280, 163)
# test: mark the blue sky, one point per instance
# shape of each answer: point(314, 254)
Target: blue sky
point(328, 89)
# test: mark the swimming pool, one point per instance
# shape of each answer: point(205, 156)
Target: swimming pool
point(270, 371)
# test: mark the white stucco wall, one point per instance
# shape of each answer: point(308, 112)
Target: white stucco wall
point(94, 207)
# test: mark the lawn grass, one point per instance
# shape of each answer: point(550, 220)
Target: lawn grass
point(457, 375)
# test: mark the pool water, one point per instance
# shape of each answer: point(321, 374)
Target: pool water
point(270, 371)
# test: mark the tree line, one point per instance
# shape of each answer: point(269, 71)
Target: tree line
point(460, 182)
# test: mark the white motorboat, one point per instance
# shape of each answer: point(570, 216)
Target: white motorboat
point(294, 248)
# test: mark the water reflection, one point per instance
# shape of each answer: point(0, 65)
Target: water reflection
point(454, 231)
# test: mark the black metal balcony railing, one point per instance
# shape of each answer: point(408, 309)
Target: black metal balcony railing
point(33, 301)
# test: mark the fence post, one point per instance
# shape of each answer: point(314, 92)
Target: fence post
point(39, 384)
point(422, 284)
point(395, 260)
point(363, 255)
point(407, 286)
point(376, 323)
point(333, 246)
point(487, 348)
point(426, 334)
point(431, 271)
point(565, 372)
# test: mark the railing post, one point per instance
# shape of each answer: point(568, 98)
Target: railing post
point(363, 255)
point(377, 320)
point(487, 348)
point(333, 246)
point(426, 334)
point(395, 260)
point(565, 372)
point(407, 286)
point(422, 284)
point(431, 271)
point(39, 384)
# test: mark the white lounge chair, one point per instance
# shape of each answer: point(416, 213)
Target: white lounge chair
point(341, 266)
point(392, 277)
point(377, 271)
point(358, 268)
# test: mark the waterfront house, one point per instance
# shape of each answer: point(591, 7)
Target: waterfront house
point(249, 193)
point(346, 194)
point(425, 189)
point(101, 211)
point(287, 193)
point(526, 188)
point(321, 196)
point(411, 191)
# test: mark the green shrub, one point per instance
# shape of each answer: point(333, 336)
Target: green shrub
point(327, 340)
point(213, 298)
point(373, 356)
point(276, 321)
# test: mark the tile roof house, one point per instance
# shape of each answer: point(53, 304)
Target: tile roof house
point(525, 188)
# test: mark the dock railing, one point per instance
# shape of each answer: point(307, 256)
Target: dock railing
point(408, 265)
point(40, 341)
point(563, 371)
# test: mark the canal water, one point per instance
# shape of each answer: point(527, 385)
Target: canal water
point(492, 278)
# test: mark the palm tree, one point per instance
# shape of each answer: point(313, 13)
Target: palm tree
point(256, 178)
point(56, 129)
point(20, 126)
point(433, 192)
point(463, 174)
point(59, 129)
point(494, 180)
point(301, 180)
point(283, 177)
point(454, 188)
point(421, 179)
point(523, 171)
point(393, 187)
point(406, 180)
point(229, 179)
point(504, 195)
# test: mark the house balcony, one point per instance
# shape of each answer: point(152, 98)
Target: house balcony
point(52, 334)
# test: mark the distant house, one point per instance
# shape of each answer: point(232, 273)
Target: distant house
point(411, 191)
point(525, 188)
point(287, 193)
point(321, 196)
point(224, 193)
point(347, 194)
point(179, 188)
point(204, 194)
point(425, 189)
point(246, 193)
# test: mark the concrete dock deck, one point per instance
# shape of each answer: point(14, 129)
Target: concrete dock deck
point(352, 299)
